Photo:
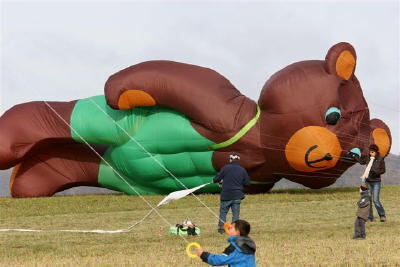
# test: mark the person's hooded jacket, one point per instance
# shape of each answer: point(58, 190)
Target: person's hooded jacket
point(240, 253)
point(363, 205)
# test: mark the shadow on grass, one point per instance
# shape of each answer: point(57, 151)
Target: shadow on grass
point(307, 191)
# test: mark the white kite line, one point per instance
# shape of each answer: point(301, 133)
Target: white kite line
point(122, 178)
point(166, 200)
point(82, 231)
point(155, 159)
point(172, 196)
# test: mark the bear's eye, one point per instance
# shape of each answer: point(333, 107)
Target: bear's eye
point(332, 115)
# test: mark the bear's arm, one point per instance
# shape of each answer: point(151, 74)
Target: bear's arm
point(203, 95)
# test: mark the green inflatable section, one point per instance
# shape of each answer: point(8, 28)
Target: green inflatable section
point(165, 133)
point(174, 231)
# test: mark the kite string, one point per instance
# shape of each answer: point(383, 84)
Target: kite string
point(153, 209)
point(113, 169)
point(172, 175)
point(359, 136)
point(169, 172)
point(341, 134)
point(151, 156)
point(152, 112)
point(128, 229)
point(157, 161)
point(160, 163)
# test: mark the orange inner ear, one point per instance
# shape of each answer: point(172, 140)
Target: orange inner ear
point(345, 64)
point(382, 140)
point(132, 98)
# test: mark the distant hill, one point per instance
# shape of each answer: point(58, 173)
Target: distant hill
point(349, 178)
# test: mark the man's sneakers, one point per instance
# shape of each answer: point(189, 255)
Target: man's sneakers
point(358, 238)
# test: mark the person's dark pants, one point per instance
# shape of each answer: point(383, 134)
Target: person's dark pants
point(224, 208)
point(359, 228)
point(375, 188)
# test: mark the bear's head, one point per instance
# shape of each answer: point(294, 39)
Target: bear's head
point(313, 114)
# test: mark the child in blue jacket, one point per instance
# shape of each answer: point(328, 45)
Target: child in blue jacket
point(239, 253)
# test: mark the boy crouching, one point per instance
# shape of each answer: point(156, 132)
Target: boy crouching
point(239, 253)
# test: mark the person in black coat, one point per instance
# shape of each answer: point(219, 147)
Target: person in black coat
point(233, 179)
point(372, 176)
point(362, 212)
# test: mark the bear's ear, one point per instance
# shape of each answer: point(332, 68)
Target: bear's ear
point(341, 60)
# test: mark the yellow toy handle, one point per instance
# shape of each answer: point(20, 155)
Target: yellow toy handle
point(189, 248)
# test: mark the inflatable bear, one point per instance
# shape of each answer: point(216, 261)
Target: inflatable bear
point(163, 125)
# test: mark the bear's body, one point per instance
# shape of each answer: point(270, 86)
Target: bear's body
point(309, 117)
point(145, 144)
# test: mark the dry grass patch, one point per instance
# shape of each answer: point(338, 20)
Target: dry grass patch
point(290, 227)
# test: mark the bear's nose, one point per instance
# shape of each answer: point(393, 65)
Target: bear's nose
point(313, 148)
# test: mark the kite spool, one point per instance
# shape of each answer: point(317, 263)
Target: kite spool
point(189, 249)
point(226, 227)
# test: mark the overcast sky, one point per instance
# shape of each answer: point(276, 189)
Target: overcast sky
point(66, 50)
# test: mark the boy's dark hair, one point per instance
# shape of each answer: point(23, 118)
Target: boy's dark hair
point(364, 187)
point(243, 227)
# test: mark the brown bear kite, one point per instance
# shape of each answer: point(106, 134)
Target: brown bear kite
point(160, 121)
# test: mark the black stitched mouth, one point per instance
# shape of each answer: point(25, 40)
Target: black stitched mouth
point(309, 163)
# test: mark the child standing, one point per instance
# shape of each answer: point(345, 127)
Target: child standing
point(240, 251)
point(362, 213)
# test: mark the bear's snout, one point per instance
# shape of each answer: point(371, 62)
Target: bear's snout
point(313, 148)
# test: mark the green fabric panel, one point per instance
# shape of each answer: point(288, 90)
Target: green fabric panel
point(174, 231)
point(165, 133)
point(111, 180)
point(97, 128)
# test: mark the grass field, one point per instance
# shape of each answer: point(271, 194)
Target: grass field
point(290, 228)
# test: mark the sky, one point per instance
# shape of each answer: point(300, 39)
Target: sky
point(60, 51)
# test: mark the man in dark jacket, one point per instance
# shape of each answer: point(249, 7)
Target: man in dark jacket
point(233, 178)
point(362, 213)
point(372, 176)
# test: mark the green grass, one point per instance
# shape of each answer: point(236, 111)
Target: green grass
point(290, 227)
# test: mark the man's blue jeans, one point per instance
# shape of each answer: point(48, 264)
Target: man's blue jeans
point(375, 188)
point(224, 208)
